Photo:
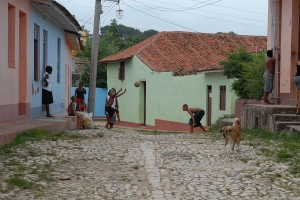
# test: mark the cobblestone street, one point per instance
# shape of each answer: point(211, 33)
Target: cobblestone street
point(131, 164)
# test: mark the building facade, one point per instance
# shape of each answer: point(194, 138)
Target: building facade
point(176, 68)
point(283, 38)
point(34, 34)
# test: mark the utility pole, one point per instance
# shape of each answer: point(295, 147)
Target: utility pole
point(94, 57)
point(276, 50)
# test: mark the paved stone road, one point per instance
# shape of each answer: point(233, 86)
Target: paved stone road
point(125, 164)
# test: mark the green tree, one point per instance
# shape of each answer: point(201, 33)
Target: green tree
point(246, 71)
point(253, 75)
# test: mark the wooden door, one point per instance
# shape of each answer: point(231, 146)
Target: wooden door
point(209, 104)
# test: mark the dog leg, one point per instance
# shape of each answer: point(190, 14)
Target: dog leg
point(225, 150)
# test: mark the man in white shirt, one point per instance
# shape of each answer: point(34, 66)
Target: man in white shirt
point(47, 97)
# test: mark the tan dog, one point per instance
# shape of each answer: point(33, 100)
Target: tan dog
point(232, 133)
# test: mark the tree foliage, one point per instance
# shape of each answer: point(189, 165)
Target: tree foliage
point(114, 38)
point(246, 70)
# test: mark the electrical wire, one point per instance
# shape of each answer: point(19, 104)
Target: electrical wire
point(241, 10)
point(194, 7)
point(161, 19)
point(238, 17)
point(215, 18)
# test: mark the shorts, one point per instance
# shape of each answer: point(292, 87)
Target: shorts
point(198, 117)
point(297, 82)
point(78, 100)
point(47, 97)
point(110, 111)
point(268, 79)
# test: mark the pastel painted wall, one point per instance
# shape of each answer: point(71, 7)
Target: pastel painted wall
point(14, 48)
point(165, 94)
point(289, 37)
point(100, 96)
point(68, 73)
point(58, 86)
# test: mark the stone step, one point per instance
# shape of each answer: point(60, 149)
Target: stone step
point(284, 110)
point(286, 117)
point(283, 126)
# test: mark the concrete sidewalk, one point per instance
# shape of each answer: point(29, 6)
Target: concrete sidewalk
point(9, 131)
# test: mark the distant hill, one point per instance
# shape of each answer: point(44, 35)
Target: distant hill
point(127, 32)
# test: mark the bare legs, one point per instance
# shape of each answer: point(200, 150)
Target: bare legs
point(79, 121)
point(47, 110)
point(200, 126)
point(298, 103)
point(266, 94)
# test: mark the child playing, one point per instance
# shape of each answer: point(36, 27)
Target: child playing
point(111, 111)
point(72, 112)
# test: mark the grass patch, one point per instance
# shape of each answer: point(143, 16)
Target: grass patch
point(37, 135)
point(281, 147)
point(284, 156)
point(216, 126)
point(21, 183)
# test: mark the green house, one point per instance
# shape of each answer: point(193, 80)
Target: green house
point(176, 68)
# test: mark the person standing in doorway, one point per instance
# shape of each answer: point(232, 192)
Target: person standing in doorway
point(297, 82)
point(47, 97)
point(196, 116)
point(79, 94)
point(268, 75)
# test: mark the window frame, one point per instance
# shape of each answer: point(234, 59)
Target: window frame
point(36, 52)
point(222, 97)
point(58, 59)
point(122, 71)
point(11, 35)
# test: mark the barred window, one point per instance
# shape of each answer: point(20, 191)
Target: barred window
point(122, 71)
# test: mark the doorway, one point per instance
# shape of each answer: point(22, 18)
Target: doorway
point(143, 103)
point(209, 104)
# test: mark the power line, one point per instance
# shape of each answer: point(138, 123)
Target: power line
point(241, 10)
point(161, 18)
point(249, 19)
point(228, 21)
point(181, 9)
point(215, 18)
point(103, 17)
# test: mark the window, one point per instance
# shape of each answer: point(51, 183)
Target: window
point(223, 97)
point(36, 52)
point(11, 35)
point(58, 59)
point(45, 47)
point(122, 71)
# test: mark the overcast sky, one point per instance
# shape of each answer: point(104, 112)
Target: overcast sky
point(208, 16)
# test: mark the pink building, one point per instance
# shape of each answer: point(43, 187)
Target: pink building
point(14, 62)
point(283, 38)
point(33, 34)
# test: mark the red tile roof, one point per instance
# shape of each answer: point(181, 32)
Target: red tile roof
point(187, 53)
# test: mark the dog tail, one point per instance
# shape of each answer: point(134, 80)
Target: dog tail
point(236, 122)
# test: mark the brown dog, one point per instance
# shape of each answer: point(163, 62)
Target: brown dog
point(232, 133)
